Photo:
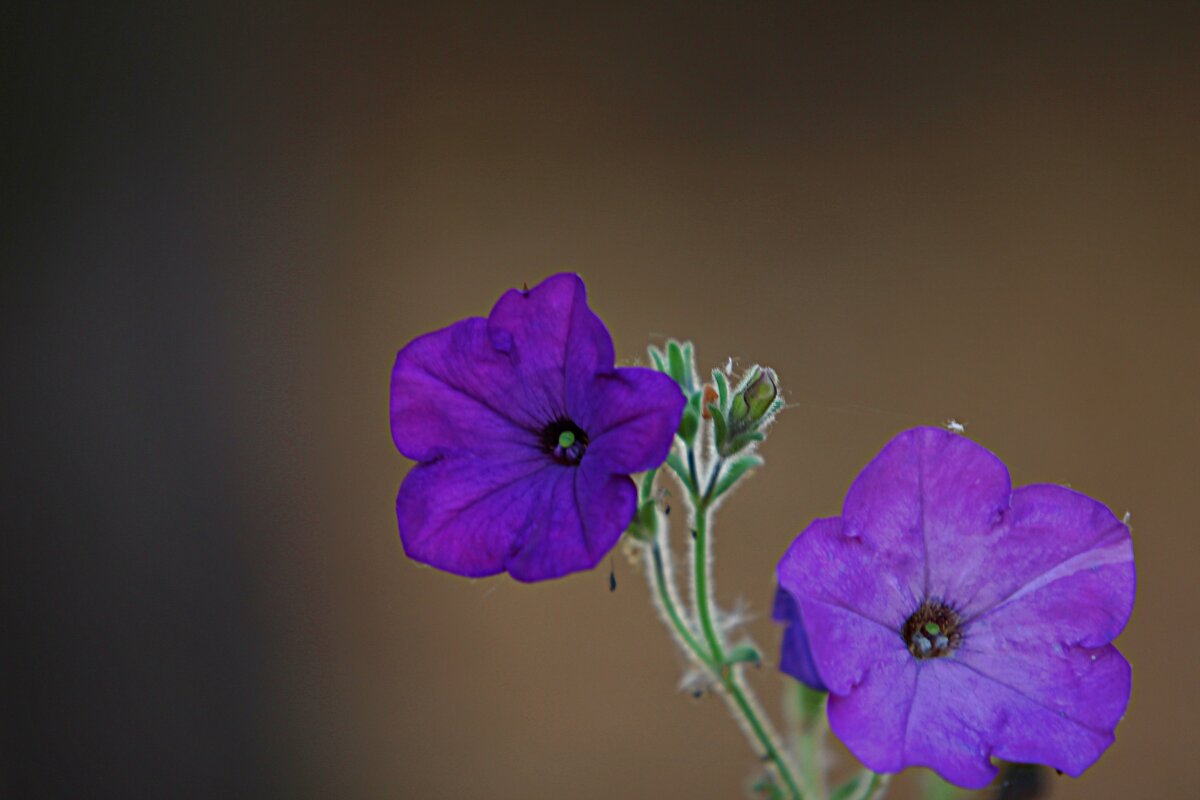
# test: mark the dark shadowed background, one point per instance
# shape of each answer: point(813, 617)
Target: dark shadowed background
point(221, 223)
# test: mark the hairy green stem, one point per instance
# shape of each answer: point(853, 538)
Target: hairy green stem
point(729, 675)
point(665, 598)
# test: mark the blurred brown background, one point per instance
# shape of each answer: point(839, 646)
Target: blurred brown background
point(221, 223)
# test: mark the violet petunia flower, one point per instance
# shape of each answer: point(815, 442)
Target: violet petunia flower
point(953, 619)
point(526, 435)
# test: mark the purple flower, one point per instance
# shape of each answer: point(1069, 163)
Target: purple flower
point(526, 435)
point(953, 619)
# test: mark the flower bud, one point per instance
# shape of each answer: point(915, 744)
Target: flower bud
point(755, 401)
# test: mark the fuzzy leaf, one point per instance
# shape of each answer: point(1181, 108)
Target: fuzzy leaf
point(735, 472)
point(722, 389)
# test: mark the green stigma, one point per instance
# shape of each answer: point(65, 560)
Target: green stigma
point(932, 628)
point(566, 439)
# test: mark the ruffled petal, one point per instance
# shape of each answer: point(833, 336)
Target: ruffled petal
point(961, 718)
point(919, 497)
point(585, 514)
point(1051, 637)
point(857, 573)
point(795, 656)
point(452, 393)
point(466, 515)
point(1051, 533)
point(631, 415)
point(554, 342)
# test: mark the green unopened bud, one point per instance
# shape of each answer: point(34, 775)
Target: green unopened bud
point(755, 401)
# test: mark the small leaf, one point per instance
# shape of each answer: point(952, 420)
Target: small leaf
point(676, 365)
point(742, 654)
point(741, 442)
point(735, 472)
point(719, 427)
point(647, 518)
point(675, 462)
point(648, 484)
point(688, 425)
point(722, 388)
point(656, 356)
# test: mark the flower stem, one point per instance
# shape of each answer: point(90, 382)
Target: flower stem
point(703, 592)
point(667, 601)
point(739, 695)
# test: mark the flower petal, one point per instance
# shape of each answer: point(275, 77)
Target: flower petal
point(847, 647)
point(1050, 637)
point(872, 720)
point(466, 515)
point(795, 657)
point(631, 415)
point(451, 394)
point(1049, 533)
point(554, 342)
point(918, 498)
point(854, 572)
point(961, 718)
point(586, 512)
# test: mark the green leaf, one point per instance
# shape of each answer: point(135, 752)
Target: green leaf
point(743, 654)
point(675, 462)
point(648, 484)
point(722, 389)
point(676, 366)
point(741, 442)
point(735, 472)
point(656, 356)
point(719, 427)
point(690, 423)
point(647, 518)
point(688, 426)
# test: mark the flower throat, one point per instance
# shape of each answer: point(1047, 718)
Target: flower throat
point(933, 631)
point(565, 441)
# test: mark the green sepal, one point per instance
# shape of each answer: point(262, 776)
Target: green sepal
point(743, 654)
point(720, 429)
point(735, 472)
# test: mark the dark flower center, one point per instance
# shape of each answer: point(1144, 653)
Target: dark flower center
point(565, 441)
point(933, 631)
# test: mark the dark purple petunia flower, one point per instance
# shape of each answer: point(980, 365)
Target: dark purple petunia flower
point(953, 619)
point(526, 435)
